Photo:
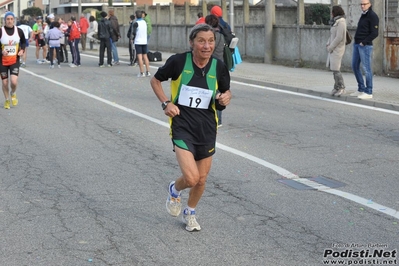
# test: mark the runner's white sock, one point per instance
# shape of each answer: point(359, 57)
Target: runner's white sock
point(175, 191)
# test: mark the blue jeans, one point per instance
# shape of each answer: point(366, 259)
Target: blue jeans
point(114, 52)
point(363, 55)
point(74, 45)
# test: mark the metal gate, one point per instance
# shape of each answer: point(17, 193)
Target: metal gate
point(391, 37)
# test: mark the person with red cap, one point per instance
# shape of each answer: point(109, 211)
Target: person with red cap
point(217, 11)
point(201, 18)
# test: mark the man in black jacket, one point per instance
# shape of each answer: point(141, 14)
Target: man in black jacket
point(104, 34)
point(366, 32)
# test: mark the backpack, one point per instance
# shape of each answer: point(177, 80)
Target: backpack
point(229, 37)
point(228, 58)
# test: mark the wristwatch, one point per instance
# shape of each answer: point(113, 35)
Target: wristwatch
point(164, 104)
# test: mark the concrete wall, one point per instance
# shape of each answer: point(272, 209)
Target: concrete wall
point(290, 41)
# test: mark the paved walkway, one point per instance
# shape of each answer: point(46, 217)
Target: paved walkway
point(304, 80)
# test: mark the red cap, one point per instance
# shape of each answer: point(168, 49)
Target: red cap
point(201, 20)
point(217, 11)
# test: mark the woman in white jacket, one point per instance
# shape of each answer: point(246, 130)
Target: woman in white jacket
point(93, 29)
point(336, 48)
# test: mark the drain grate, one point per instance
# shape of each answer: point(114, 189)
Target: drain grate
point(294, 184)
point(328, 182)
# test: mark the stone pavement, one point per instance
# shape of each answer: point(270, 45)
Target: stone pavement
point(318, 82)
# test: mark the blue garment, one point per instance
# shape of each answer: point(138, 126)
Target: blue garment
point(236, 58)
point(114, 52)
point(74, 46)
point(363, 55)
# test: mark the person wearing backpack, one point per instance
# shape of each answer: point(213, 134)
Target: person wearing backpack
point(213, 21)
point(225, 28)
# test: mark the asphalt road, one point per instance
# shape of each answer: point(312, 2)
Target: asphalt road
point(85, 159)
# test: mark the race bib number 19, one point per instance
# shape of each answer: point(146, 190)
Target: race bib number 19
point(195, 97)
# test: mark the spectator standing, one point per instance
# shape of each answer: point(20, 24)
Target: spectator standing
point(147, 20)
point(49, 24)
point(223, 27)
point(84, 26)
point(93, 30)
point(27, 32)
point(140, 44)
point(217, 11)
point(336, 48)
point(63, 41)
point(213, 21)
point(200, 19)
point(366, 32)
point(74, 39)
point(54, 37)
point(115, 35)
point(12, 40)
point(132, 50)
point(38, 31)
point(104, 34)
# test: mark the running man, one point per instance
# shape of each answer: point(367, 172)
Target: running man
point(13, 44)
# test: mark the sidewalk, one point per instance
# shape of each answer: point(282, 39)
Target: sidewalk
point(303, 80)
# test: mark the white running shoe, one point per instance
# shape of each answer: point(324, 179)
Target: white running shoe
point(191, 222)
point(173, 204)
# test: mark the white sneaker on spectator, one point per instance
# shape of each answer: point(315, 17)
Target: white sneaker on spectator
point(365, 96)
point(356, 93)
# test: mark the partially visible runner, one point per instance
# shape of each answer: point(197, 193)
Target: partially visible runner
point(27, 31)
point(196, 76)
point(13, 44)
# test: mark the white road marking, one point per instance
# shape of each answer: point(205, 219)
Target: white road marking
point(281, 171)
point(317, 97)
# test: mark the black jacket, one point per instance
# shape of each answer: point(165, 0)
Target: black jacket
point(104, 29)
point(130, 31)
point(367, 28)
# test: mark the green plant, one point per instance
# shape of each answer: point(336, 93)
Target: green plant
point(32, 12)
point(318, 13)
